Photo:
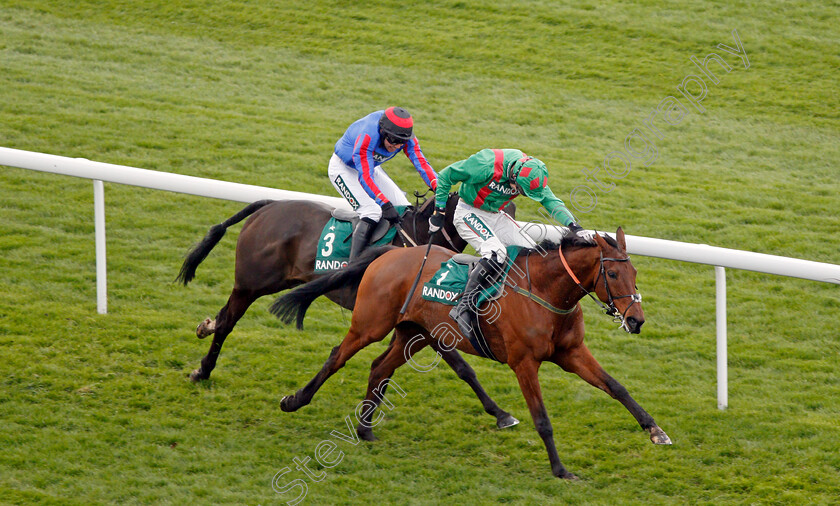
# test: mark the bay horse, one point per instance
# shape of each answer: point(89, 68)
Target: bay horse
point(539, 319)
point(276, 250)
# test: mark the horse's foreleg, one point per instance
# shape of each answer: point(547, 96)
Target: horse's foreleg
point(579, 360)
point(526, 373)
point(466, 373)
point(352, 343)
point(237, 304)
point(381, 370)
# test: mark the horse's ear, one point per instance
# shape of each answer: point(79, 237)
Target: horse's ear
point(452, 200)
point(599, 240)
point(619, 236)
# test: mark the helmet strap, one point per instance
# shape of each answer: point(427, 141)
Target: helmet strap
point(517, 167)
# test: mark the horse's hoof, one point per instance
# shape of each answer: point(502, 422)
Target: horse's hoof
point(367, 435)
point(196, 376)
point(205, 328)
point(569, 476)
point(658, 436)
point(507, 421)
point(285, 404)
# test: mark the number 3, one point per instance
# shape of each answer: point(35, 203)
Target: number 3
point(328, 244)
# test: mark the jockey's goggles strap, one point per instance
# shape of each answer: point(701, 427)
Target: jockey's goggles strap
point(517, 167)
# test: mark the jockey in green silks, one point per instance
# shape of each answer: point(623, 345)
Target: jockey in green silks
point(490, 179)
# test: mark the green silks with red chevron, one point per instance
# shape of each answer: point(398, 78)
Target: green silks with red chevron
point(486, 177)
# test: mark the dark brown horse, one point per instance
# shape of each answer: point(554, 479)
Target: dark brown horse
point(537, 319)
point(276, 251)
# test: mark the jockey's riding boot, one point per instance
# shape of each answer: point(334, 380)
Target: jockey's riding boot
point(483, 276)
point(361, 236)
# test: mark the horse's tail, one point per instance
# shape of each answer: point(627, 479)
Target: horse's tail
point(214, 235)
point(293, 305)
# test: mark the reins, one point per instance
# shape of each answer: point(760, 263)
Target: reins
point(609, 308)
point(405, 236)
point(542, 302)
point(528, 293)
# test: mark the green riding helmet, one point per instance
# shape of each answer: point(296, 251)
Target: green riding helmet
point(529, 175)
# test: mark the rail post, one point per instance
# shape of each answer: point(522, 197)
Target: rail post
point(101, 259)
point(720, 311)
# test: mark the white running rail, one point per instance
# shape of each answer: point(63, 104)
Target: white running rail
point(645, 246)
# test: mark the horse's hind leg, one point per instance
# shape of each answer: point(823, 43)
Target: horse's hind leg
point(237, 304)
point(352, 343)
point(579, 360)
point(466, 373)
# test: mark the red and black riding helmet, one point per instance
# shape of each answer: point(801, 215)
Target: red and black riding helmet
point(397, 125)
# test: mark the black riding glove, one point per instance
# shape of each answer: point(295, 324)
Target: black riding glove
point(579, 231)
point(436, 221)
point(390, 213)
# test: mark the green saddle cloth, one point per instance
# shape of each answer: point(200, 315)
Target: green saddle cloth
point(334, 244)
point(449, 281)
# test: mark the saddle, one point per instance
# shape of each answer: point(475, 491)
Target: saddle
point(465, 259)
point(353, 218)
point(334, 244)
point(448, 283)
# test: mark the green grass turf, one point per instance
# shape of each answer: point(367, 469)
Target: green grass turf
point(97, 408)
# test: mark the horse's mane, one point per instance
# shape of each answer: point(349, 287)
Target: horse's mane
point(571, 241)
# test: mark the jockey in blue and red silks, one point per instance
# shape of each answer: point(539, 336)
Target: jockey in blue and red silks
point(355, 168)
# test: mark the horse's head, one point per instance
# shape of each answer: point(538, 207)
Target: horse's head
point(615, 283)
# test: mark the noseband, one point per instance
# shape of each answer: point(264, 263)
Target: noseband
point(609, 309)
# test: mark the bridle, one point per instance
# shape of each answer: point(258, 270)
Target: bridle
point(609, 308)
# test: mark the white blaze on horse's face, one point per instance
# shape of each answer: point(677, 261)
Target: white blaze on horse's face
point(636, 297)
